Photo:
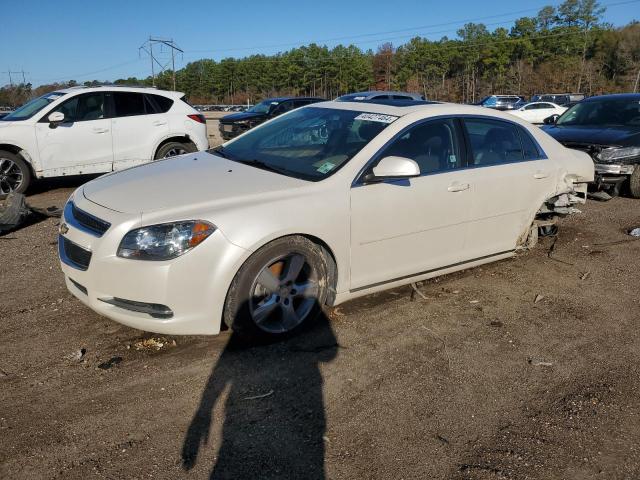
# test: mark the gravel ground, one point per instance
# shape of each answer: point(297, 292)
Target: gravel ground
point(478, 381)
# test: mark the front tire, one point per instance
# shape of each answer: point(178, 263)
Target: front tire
point(278, 290)
point(173, 149)
point(15, 174)
point(634, 183)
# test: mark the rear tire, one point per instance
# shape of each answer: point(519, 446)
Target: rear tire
point(634, 182)
point(278, 290)
point(15, 174)
point(173, 149)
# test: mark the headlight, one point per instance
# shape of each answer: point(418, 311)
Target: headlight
point(164, 241)
point(609, 154)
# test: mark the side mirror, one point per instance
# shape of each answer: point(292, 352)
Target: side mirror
point(552, 119)
point(393, 168)
point(55, 119)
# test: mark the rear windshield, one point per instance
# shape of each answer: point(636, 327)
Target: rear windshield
point(29, 109)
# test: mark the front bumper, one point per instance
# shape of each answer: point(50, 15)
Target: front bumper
point(232, 130)
point(614, 169)
point(183, 296)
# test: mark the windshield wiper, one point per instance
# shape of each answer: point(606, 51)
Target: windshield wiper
point(265, 166)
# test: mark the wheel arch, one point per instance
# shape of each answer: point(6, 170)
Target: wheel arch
point(330, 257)
point(181, 138)
point(17, 150)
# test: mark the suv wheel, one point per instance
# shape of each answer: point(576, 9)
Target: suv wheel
point(173, 149)
point(15, 175)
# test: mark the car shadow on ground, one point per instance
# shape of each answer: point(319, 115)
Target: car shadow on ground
point(71, 181)
point(274, 416)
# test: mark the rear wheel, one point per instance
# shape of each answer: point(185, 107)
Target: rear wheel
point(15, 175)
point(280, 288)
point(172, 149)
point(634, 183)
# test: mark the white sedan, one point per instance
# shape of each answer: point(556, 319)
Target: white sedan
point(536, 112)
point(315, 207)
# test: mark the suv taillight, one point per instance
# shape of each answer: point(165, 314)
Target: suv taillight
point(198, 117)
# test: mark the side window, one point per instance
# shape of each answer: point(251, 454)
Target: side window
point(128, 104)
point(163, 103)
point(434, 145)
point(529, 148)
point(300, 103)
point(545, 105)
point(82, 108)
point(533, 106)
point(493, 142)
point(400, 97)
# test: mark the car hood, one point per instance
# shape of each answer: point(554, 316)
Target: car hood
point(236, 117)
point(613, 136)
point(194, 180)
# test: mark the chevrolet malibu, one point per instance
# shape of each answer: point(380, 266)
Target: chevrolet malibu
point(316, 207)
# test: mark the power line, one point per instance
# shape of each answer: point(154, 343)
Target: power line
point(148, 48)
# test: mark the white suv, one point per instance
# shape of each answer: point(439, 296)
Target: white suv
point(84, 130)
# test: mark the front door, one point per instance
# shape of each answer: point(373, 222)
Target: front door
point(403, 228)
point(82, 142)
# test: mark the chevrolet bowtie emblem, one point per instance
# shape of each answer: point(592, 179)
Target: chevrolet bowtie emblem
point(63, 228)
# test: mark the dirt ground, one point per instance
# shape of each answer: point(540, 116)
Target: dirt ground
point(478, 381)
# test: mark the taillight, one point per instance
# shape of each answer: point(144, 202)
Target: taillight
point(198, 117)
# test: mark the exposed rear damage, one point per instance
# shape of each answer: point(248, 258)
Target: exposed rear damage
point(571, 191)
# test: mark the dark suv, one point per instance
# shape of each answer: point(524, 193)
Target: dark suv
point(237, 123)
point(608, 129)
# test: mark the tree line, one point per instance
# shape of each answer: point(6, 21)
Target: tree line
point(561, 49)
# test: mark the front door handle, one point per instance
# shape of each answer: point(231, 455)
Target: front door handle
point(458, 187)
point(540, 175)
point(100, 130)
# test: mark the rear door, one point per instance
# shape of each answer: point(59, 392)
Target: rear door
point(137, 128)
point(80, 144)
point(403, 228)
point(511, 177)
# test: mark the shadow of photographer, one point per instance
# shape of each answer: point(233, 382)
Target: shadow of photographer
point(274, 420)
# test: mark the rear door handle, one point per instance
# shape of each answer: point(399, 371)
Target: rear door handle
point(458, 187)
point(540, 175)
point(100, 130)
point(159, 123)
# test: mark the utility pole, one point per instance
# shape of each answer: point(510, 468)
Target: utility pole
point(20, 72)
point(147, 47)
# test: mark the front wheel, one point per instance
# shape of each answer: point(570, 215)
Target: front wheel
point(634, 183)
point(15, 175)
point(280, 288)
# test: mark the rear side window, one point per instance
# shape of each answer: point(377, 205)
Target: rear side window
point(129, 103)
point(493, 142)
point(433, 145)
point(162, 104)
point(529, 148)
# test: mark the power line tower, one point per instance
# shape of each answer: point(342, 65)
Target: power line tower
point(147, 47)
point(21, 72)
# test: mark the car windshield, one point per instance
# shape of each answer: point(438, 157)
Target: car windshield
point(308, 143)
point(29, 109)
point(606, 112)
point(262, 107)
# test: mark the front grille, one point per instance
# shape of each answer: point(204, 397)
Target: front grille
point(73, 254)
point(85, 221)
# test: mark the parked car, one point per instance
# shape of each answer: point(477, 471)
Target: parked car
point(501, 102)
point(608, 129)
point(94, 130)
point(318, 206)
point(536, 112)
point(379, 95)
point(237, 123)
point(558, 98)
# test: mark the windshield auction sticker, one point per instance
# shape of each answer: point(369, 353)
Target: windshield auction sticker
point(376, 117)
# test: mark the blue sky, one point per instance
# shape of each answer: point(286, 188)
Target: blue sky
point(81, 40)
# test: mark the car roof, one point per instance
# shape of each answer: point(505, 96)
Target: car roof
point(400, 108)
point(615, 96)
point(373, 93)
point(122, 88)
point(282, 99)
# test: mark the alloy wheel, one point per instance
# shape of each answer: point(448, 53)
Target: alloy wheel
point(10, 176)
point(283, 294)
point(174, 152)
